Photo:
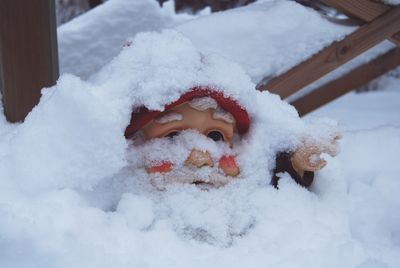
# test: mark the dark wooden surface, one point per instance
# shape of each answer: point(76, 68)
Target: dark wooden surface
point(363, 9)
point(366, 10)
point(353, 80)
point(28, 53)
point(95, 3)
point(335, 55)
point(215, 5)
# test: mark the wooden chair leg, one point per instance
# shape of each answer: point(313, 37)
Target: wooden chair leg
point(365, 10)
point(353, 80)
point(335, 55)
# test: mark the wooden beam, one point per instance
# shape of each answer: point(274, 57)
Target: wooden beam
point(335, 55)
point(365, 10)
point(95, 3)
point(215, 5)
point(28, 54)
point(353, 80)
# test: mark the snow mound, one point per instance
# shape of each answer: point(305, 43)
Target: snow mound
point(70, 196)
point(274, 35)
point(91, 40)
point(266, 34)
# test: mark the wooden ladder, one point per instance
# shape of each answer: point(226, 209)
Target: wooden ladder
point(379, 22)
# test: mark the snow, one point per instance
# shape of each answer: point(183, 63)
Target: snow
point(71, 195)
point(266, 35)
point(88, 42)
point(69, 9)
point(175, 151)
point(263, 29)
point(370, 110)
point(392, 2)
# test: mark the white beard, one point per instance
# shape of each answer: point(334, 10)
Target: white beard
point(176, 151)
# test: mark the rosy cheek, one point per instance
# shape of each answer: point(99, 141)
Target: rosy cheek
point(161, 168)
point(228, 164)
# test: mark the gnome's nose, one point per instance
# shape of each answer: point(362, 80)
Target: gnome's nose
point(199, 159)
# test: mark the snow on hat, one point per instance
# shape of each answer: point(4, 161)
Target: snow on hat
point(142, 116)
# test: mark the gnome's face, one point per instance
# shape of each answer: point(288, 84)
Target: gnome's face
point(197, 114)
point(205, 117)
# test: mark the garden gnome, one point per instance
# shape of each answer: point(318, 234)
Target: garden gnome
point(219, 118)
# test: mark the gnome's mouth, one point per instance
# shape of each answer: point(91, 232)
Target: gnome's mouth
point(189, 158)
point(204, 178)
point(201, 183)
point(199, 169)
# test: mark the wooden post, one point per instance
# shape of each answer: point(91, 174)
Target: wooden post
point(353, 80)
point(28, 54)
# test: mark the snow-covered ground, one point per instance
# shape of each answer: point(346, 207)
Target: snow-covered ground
point(88, 42)
point(68, 197)
point(365, 111)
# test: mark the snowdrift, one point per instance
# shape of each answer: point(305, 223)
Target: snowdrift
point(266, 38)
point(89, 41)
point(69, 196)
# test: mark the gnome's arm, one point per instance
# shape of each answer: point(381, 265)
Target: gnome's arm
point(305, 160)
point(284, 164)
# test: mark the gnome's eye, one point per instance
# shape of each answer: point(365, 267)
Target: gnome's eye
point(215, 135)
point(172, 134)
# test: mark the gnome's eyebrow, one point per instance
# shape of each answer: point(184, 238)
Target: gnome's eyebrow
point(169, 117)
point(220, 114)
point(204, 103)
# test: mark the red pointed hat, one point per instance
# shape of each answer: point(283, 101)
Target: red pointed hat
point(142, 116)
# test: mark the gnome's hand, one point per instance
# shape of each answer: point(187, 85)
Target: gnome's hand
point(308, 155)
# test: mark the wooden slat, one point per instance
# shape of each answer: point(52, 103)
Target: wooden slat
point(215, 5)
point(365, 10)
point(95, 3)
point(353, 80)
point(335, 55)
point(28, 53)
